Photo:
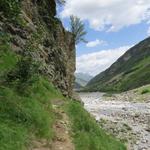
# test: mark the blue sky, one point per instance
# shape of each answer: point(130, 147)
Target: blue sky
point(112, 28)
point(126, 36)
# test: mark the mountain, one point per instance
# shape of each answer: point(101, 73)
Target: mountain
point(82, 78)
point(77, 86)
point(130, 71)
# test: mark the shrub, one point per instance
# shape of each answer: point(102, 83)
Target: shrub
point(24, 117)
point(12, 136)
point(145, 91)
point(10, 8)
point(23, 75)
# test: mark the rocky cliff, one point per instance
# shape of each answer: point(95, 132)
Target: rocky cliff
point(39, 32)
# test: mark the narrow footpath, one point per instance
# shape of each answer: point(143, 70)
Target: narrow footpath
point(62, 139)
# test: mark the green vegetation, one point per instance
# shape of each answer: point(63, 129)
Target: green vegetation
point(78, 29)
point(138, 77)
point(145, 90)
point(10, 9)
point(86, 132)
point(7, 58)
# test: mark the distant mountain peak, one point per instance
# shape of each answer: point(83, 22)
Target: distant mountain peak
point(82, 79)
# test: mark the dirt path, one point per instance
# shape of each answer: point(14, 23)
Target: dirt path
point(62, 139)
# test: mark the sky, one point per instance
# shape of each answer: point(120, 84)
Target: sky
point(113, 27)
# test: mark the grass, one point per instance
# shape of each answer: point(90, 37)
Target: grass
point(11, 9)
point(145, 90)
point(27, 116)
point(7, 58)
point(12, 136)
point(108, 94)
point(86, 132)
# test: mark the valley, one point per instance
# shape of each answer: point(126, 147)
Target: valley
point(68, 82)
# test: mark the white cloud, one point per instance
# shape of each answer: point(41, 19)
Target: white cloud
point(109, 15)
point(95, 43)
point(94, 63)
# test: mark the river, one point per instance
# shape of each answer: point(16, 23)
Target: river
point(128, 121)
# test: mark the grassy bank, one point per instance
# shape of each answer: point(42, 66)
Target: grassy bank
point(145, 90)
point(86, 132)
point(25, 117)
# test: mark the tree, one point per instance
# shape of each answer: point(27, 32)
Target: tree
point(77, 27)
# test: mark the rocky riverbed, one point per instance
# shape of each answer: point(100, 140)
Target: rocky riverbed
point(127, 120)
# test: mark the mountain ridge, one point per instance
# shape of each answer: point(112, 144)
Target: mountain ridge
point(128, 72)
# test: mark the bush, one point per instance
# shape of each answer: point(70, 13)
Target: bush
point(10, 8)
point(145, 91)
point(12, 137)
point(23, 75)
point(8, 58)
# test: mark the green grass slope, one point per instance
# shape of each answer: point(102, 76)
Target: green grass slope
point(130, 71)
point(86, 132)
point(23, 117)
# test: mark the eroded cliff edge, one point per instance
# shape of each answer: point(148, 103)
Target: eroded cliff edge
point(42, 33)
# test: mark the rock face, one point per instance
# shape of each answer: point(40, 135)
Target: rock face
point(41, 33)
point(130, 71)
